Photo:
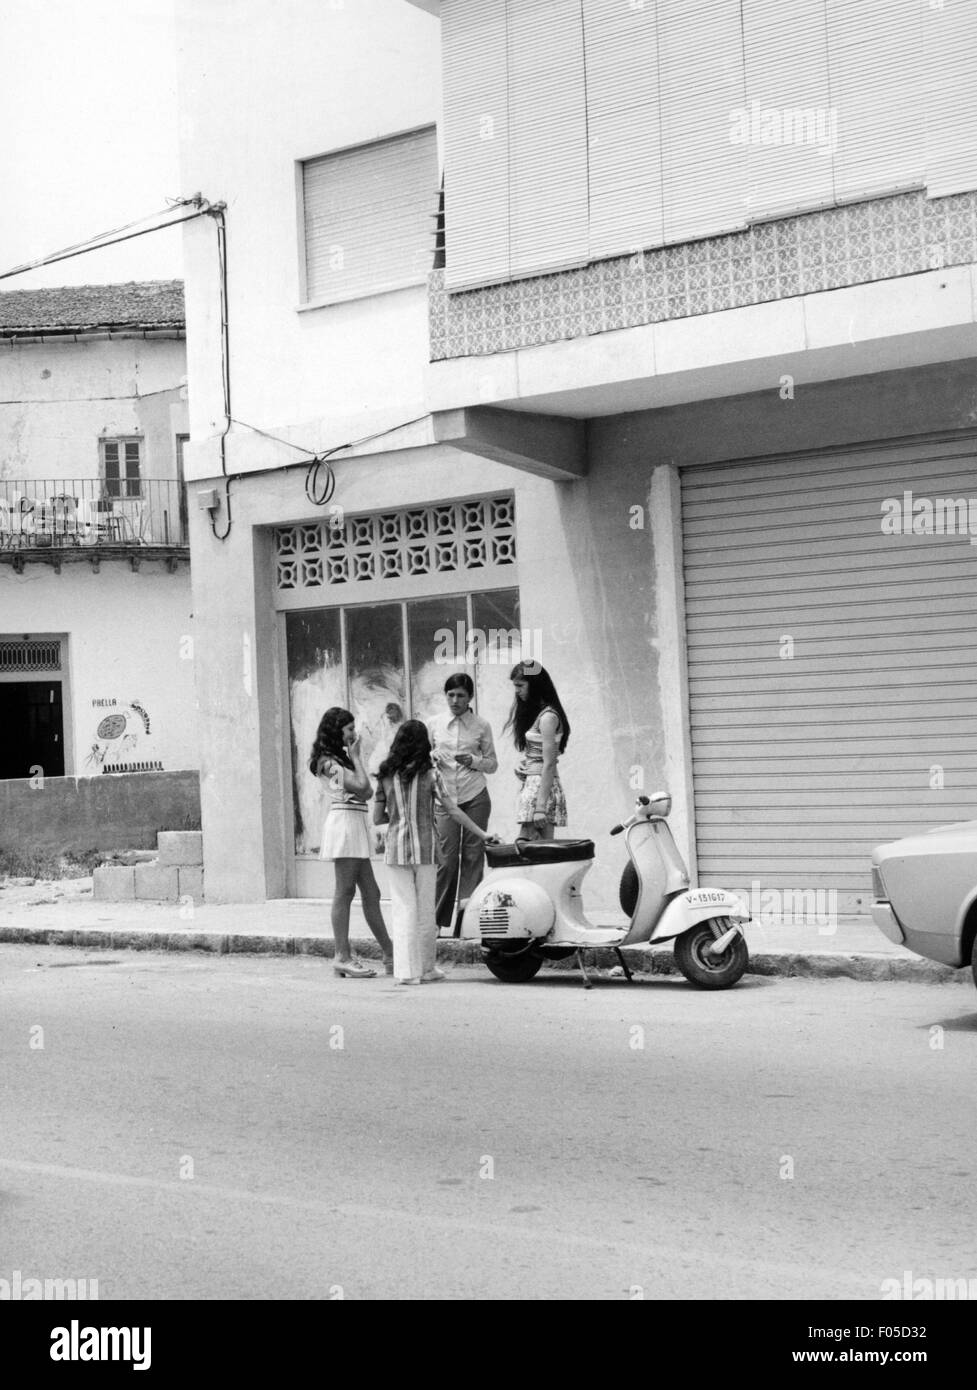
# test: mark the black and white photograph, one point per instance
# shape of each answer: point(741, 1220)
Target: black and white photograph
point(488, 668)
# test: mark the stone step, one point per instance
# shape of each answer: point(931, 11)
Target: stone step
point(155, 882)
point(180, 848)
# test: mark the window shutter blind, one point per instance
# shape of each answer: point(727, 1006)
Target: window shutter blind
point(369, 216)
point(876, 89)
point(547, 137)
point(786, 72)
point(704, 171)
point(950, 41)
point(476, 141)
point(623, 127)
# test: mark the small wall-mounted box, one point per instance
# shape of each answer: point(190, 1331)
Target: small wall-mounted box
point(207, 499)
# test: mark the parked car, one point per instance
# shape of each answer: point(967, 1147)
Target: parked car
point(926, 893)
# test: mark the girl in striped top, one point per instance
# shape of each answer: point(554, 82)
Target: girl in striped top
point(408, 788)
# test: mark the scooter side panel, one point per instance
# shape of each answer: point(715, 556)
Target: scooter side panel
point(697, 905)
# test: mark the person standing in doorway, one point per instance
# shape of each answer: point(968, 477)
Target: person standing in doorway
point(335, 758)
point(408, 790)
point(541, 729)
point(464, 752)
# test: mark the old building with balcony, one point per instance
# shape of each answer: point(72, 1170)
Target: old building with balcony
point(96, 669)
point(644, 326)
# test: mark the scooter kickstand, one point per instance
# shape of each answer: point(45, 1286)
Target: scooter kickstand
point(587, 982)
point(624, 964)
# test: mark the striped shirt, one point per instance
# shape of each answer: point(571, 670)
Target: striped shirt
point(410, 812)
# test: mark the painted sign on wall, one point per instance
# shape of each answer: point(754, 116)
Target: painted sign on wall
point(123, 739)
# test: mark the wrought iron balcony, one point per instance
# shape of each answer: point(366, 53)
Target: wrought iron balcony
point(73, 517)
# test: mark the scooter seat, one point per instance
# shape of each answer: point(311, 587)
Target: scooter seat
point(537, 852)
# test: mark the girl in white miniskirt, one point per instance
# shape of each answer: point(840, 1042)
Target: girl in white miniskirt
point(345, 839)
point(540, 728)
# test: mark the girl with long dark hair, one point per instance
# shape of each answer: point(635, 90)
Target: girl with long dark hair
point(336, 759)
point(540, 729)
point(408, 789)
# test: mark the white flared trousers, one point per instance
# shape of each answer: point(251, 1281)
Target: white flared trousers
point(415, 931)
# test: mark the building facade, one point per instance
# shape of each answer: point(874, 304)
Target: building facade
point(96, 669)
point(646, 329)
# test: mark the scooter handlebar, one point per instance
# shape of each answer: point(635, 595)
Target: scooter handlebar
point(617, 829)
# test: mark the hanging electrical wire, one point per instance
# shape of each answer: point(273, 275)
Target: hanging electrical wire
point(112, 238)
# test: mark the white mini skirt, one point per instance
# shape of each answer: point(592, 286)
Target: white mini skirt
point(345, 834)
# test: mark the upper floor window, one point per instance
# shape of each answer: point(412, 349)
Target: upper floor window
point(121, 463)
point(368, 215)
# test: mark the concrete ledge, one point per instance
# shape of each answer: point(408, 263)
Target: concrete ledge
point(112, 883)
point(190, 882)
point(644, 965)
point(157, 882)
point(180, 847)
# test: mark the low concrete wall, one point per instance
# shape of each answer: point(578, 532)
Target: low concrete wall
point(118, 811)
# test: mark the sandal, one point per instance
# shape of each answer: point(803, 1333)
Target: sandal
point(353, 969)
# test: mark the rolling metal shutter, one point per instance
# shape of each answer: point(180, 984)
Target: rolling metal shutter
point(786, 61)
point(950, 38)
point(476, 142)
point(832, 667)
point(704, 172)
point(623, 128)
point(369, 216)
point(877, 83)
point(547, 137)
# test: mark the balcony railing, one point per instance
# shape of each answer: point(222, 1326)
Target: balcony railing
point(69, 513)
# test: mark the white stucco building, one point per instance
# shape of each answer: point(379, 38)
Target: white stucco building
point(96, 668)
point(705, 306)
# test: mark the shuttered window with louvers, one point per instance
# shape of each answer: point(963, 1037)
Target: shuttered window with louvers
point(788, 96)
point(476, 141)
point(370, 217)
point(704, 171)
point(950, 40)
point(623, 127)
point(547, 137)
point(876, 83)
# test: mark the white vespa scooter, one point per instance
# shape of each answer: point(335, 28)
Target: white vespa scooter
point(528, 908)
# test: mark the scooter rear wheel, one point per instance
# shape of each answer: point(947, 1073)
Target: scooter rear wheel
point(708, 971)
point(514, 970)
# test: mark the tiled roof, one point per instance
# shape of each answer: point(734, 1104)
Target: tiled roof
point(87, 308)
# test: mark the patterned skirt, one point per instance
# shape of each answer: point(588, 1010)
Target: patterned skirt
point(556, 806)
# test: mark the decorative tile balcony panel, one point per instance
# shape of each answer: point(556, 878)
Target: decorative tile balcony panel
point(88, 514)
point(837, 247)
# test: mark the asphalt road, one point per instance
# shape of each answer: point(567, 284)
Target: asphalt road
point(252, 1128)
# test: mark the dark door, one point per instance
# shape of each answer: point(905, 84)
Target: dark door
point(31, 731)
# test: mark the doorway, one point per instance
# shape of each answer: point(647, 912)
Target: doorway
point(32, 721)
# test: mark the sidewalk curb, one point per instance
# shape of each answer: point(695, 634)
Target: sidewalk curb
point(790, 964)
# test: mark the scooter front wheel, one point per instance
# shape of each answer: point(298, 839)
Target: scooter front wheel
point(698, 965)
point(514, 969)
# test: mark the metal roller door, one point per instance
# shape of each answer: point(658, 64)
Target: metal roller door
point(832, 666)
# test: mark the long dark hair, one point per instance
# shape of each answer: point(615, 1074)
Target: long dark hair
point(329, 739)
point(410, 752)
point(542, 692)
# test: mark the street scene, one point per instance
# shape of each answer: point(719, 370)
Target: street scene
point(488, 642)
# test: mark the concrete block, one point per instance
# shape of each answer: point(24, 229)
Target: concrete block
point(157, 882)
point(114, 883)
point(180, 847)
point(191, 882)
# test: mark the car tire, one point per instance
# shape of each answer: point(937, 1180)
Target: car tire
point(973, 960)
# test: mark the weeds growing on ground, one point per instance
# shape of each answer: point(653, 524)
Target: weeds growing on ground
point(49, 864)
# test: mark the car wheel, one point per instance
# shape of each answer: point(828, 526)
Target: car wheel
point(973, 960)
